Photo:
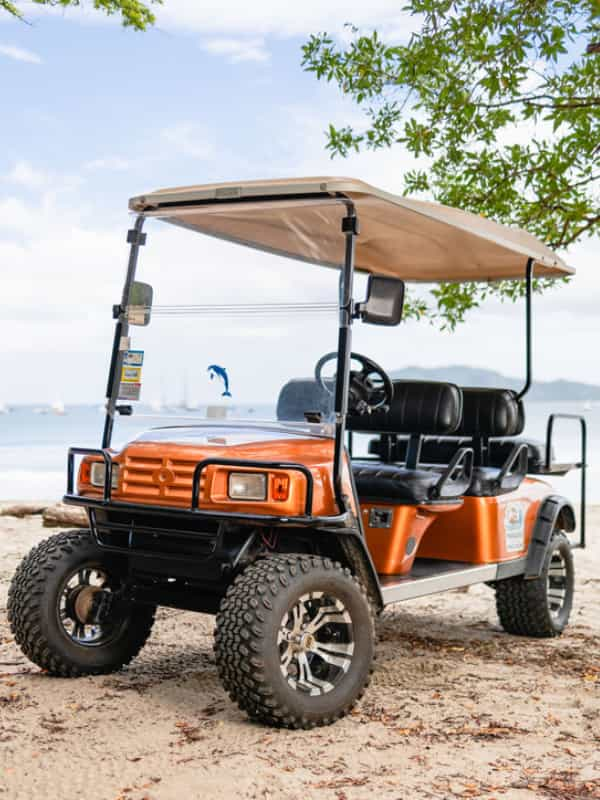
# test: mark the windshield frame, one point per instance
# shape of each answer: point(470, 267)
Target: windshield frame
point(349, 229)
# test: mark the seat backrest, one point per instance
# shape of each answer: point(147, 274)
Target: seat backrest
point(300, 395)
point(491, 412)
point(418, 407)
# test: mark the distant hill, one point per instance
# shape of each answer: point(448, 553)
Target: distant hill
point(560, 391)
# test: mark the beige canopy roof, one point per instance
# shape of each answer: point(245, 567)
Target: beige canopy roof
point(399, 236)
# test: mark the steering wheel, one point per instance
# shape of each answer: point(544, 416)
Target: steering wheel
point(369, 389)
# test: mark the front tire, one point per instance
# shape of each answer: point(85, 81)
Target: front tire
point(295, 641)
point(53, 605)
point(541, 606)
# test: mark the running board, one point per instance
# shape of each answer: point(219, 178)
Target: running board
point(444, 576)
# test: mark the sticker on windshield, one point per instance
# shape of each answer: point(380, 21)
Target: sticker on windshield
point(133, 358)
point(130, 387)
point(130, 391)
point(215, 371)
point(131, 375)
point(514, 527)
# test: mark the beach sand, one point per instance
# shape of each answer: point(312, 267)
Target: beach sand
point(456, 708)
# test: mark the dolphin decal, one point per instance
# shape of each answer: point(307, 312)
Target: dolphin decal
point(220, 372)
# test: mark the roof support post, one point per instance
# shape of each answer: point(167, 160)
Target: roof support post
point(528, 328)
point(350, 230)
point(136, 239)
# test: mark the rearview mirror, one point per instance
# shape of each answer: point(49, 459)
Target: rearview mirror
point(384, 303)
point(139, 310)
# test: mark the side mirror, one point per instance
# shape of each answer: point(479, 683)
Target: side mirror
point(139, 310)
point(384, 303)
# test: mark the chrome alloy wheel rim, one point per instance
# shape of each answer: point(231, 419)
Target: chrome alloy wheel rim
point(75, 607)
point(557, 584)
point(316, 643)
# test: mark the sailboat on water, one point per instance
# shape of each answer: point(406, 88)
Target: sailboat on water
point(58, 408)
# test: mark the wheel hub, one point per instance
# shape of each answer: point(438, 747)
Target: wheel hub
point(86, 607)
point(83, 603)
point(556, 584)
point(306, 643)
point(316, 643)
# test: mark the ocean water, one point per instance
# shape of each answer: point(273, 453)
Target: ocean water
point(33, 445)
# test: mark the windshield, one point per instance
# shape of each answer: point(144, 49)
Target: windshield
point(234, 334)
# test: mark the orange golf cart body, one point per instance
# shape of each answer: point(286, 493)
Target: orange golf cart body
point(412, 520)
point(360, 492)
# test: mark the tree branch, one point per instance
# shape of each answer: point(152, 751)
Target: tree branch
point(559, 103)
point(589, 223)
point(591, 103)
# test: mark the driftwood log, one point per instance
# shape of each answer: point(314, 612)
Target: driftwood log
point(22, 509)
point(63, 516)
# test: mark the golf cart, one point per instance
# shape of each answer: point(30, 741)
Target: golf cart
point(289, 530)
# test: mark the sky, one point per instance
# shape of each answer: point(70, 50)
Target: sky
point(93, 114)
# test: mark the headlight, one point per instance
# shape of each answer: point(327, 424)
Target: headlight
point(97, 471)
point(247, 486)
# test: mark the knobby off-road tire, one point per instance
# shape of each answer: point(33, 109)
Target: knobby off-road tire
point(540, 607)
point(34, 610)
point(267, 617)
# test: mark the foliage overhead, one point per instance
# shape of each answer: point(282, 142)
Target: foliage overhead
point(134, 14)
point(500, 104)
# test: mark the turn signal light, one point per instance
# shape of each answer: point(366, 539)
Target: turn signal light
point(85, 471)
point(280, 489)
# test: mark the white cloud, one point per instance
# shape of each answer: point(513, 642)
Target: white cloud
point(25, 175)
point(19, 54)
point(238, 18)
point(47, 186)
point(272, 17)
point(236, 50)
point(14, 214)
point(108, 163)
point(189, 139)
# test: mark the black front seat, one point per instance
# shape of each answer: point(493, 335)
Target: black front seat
point(392, 483)
point(419, 408)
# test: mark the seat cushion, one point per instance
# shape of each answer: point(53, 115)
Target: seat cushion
point(536, 452)
point(393, 484)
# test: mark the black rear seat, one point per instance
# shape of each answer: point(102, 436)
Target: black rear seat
point(490, 420)
point(418, 408)
point(498, 413)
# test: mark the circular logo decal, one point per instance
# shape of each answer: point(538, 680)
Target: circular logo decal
point(164, 476)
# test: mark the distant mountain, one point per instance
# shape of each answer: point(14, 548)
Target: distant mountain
point(559, 391)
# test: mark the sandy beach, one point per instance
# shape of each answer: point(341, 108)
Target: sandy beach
point(456, 708)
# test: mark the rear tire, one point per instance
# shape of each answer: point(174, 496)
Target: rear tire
point(540, 607)
point(295, 641)
point(54, 580)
